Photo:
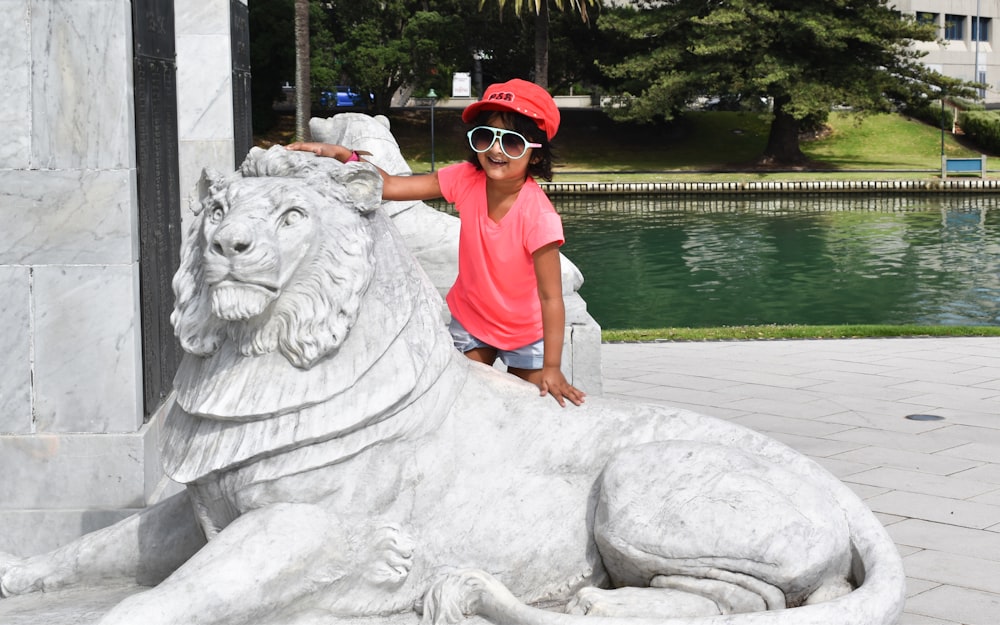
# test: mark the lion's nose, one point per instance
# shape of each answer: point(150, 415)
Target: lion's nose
point(232, 240)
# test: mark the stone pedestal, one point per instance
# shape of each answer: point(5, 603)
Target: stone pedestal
point(77, 445)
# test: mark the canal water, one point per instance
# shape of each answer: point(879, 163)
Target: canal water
point(700, 261)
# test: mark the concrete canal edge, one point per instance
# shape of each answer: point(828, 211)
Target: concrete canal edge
point(977, 185)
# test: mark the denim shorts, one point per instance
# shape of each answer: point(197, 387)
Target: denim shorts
point(530, 356)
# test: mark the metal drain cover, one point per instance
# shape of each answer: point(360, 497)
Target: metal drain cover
point(924, 417)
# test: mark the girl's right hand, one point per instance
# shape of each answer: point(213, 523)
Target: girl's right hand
point(330, 150)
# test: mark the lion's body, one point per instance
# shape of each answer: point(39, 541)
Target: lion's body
point(344, 461)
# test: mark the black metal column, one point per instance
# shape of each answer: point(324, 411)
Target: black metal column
point(239, 34)
point(155, 78)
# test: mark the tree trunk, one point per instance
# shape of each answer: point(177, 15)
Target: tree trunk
point(783, 139)
point(542, 45)
point(303, 82)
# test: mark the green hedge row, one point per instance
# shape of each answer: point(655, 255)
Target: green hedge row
point(983, 128)
point(931, 113)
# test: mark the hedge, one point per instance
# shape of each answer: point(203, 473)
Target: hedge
point(982, 128)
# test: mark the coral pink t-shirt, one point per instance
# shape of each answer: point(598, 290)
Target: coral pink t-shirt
point(496, 294)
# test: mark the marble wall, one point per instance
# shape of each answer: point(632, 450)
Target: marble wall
point(75, 452)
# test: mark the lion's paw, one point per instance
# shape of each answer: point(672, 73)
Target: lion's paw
point(392, 557)
point(639, 603)
point(456, 595)
point(15, 579)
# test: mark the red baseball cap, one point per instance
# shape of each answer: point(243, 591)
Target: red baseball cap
point(522, 97)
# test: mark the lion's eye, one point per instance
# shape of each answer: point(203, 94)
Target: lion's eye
point(217, 214)
point(291, 217)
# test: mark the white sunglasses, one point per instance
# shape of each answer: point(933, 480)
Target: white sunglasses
point(513, 144)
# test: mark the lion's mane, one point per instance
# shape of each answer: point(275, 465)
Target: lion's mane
point(315, 311)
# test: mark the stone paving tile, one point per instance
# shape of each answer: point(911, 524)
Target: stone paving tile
point(893, 422)
point(872, 389)
point(842, 468)
point(773, 379)
point(974, 451)
point(986, 419)
point(888, 519)
point(986, 473)
point(875, 405)
point(920, 619)
point(956, 404)
point(678, 380)
point(956, 570)
point(926, 463)
point(905, 550)
point(955, 604)
point(864, 491)
point(916, 586)
point(958, 375)
point(924, 483)
point(985, 435)
point(950, 538)
point(812, 446)
point(937, 509)
point(992, 498)
point(951, 391)
point(675, 395)
point(898, 440)
point(803, 407)
point(790, 425)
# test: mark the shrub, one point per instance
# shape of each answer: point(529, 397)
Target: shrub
point(983, 128)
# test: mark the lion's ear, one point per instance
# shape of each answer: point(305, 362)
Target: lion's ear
point(364, 186)
point(204, 188)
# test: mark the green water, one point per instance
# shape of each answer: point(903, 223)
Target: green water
point(832, 259)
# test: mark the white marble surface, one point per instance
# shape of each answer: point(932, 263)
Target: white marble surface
point(105, 479)
point(197, 17)
point(15, 76)
point(86, 343)
point(67, 217)
point(15, 350)
point(204, 88)
point(81, 85)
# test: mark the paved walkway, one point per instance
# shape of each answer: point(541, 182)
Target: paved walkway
point(935, 485)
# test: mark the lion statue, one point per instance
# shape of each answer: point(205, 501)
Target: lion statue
point(344, 464)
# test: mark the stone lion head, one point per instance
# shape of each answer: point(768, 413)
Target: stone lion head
point(278, 256)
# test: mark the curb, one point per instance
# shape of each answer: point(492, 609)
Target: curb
point(977, 185)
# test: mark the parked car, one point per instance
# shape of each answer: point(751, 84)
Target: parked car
point(342, 95)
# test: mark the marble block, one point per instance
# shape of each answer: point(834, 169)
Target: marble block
point(81, 85)
point(68, 217)
point(343, 462)
point(94, 386)
point(15, 350)
point(15, 76)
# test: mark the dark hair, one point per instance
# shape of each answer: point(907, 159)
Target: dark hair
point(540, 165)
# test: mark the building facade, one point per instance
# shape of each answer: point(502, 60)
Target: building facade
point(966, 40)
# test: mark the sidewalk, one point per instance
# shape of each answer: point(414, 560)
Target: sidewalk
point(934, 484)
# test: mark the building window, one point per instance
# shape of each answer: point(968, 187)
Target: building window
point(954, 27)
point(924, 17)
point(981, 29)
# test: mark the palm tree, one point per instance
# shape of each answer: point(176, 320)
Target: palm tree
point(541, 8)
point(303, 84)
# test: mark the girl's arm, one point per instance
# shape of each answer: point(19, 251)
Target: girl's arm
point(548, 273)
point(418, 187)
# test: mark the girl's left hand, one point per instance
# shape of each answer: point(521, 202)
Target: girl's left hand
point(554, 383)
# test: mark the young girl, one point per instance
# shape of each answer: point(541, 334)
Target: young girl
point(507, 300)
